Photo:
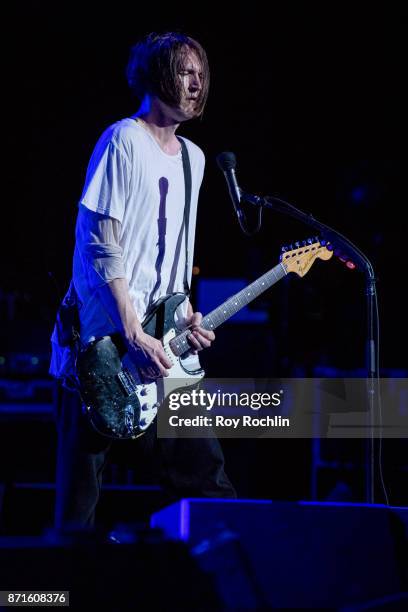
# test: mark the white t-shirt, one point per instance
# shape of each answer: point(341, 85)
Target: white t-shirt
point(131, 179)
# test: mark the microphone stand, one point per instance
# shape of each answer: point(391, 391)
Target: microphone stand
point(372, 359)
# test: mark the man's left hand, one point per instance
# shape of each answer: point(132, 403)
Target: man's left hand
point(199, 338)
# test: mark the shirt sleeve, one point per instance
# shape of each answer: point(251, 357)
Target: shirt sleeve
point(107, 181)
point(97, 239)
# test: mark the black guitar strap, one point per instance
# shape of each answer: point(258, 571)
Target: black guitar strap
point(187, 184)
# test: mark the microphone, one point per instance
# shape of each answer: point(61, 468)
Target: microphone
point(227, 163)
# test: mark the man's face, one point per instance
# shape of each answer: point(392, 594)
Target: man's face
point(190, 74)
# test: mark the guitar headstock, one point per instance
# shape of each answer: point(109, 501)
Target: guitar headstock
point(300, 256)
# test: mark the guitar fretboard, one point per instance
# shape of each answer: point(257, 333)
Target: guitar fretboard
point(225, 311)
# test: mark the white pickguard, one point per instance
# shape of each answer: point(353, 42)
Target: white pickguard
point(185, 372)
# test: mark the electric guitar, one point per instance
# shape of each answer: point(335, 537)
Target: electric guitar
point(118, 401)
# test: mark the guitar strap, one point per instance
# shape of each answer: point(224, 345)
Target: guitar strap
point(187, 185)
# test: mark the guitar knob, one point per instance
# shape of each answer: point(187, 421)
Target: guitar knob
point(143, 391)
point(144, 407)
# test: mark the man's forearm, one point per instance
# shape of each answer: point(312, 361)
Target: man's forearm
point(116, 299)
point(98, 243)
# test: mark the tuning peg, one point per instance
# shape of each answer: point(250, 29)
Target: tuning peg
point(284, 249)
point(290, 247)
point(310, 241)
point(323, 242)
point(304, 243)
point(297, 244)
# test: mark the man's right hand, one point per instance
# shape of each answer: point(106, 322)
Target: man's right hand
point(146, 351)
point(148, 354)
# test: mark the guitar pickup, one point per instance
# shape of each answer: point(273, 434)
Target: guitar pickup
point(126, 381)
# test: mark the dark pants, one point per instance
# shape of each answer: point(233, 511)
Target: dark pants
point(187, 467)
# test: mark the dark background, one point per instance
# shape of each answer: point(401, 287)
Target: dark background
point(311, 102)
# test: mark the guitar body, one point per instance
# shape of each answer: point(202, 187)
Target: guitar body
point(117, 401)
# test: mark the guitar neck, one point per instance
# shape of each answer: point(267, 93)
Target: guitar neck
point(234, 304)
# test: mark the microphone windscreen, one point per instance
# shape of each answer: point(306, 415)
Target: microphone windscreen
point(226, 160)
